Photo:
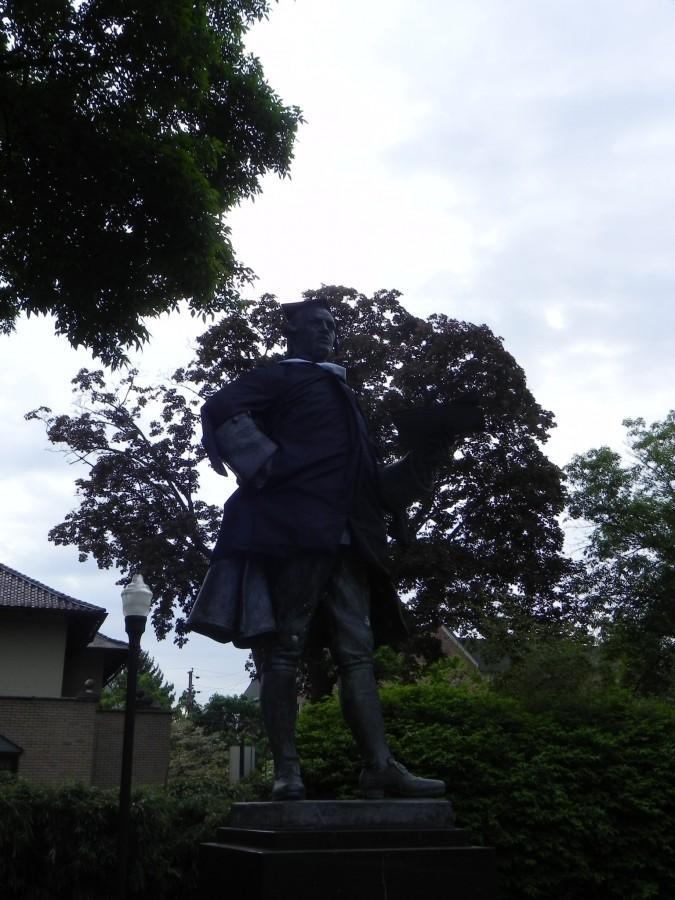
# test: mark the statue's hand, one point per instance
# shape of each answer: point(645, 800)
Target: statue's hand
point(427, 460)
point(260, 478)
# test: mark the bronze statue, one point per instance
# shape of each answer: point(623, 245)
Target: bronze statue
point(302, 551)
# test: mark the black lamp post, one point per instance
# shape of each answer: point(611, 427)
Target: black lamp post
point(136, 598)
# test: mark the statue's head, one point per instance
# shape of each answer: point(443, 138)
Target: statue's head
point(310, 330)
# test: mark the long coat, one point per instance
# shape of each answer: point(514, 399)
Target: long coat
point(323, 480)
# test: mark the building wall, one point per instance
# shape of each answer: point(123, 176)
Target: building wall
point(151, 748)
point(64, 740)
point(42, 640)
point(56, 736)
point(84, 665)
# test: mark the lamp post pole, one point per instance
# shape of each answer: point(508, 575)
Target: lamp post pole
point(136, 598)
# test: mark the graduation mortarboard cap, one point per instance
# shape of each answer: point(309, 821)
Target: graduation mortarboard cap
point(419, 426)
point(292, 309)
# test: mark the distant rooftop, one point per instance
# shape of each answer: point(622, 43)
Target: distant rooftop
point(107, 643)
point(252, 692)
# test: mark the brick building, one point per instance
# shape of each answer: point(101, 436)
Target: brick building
point(53, 663)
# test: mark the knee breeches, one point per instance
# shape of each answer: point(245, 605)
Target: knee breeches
point(332, 587)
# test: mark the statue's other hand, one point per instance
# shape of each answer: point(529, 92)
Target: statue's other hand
point(265, 472)
point(429, 458)
point(218, 467)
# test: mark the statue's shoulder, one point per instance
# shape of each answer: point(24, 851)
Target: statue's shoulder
point(281, 373)
point(268, 376)
point(263, 370)
point(284, 370)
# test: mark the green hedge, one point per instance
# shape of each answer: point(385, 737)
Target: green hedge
point(579, 800)
point(60, 844)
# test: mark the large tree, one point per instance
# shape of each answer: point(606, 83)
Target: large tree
point(487, 555)
point(628, 505)
point(126, 131)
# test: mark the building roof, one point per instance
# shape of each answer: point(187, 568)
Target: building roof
point(452, 646)
point(22, 592)
point(252, 692)
point(18, 592)
point(114, 654)
point(105, 643)
point(7, 746)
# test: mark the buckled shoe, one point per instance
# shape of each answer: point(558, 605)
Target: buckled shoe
point(395, 780)
point(288, 782)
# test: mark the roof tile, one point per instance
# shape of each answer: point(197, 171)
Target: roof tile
point(21, 592)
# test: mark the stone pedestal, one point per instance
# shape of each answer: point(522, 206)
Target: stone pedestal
point(345, 850)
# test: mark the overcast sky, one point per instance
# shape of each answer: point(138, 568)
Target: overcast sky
point(504, 163)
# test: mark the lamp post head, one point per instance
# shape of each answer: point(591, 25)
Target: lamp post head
point(136, 598)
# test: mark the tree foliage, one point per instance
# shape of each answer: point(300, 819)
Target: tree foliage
point(153, 689)
point(630, 554)
point(488, 550)
point(139, 508)
point(552, 673)
point(236, 719)
point(198, 759)
point(126, 131)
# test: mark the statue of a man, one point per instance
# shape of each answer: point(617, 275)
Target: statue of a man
point(302, 550)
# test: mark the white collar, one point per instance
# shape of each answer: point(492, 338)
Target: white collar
point(336, 369)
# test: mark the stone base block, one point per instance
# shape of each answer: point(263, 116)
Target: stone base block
point(345, 850)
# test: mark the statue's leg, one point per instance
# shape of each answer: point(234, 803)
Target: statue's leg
point(352, 648)
point(279, 704)
point(297, 585)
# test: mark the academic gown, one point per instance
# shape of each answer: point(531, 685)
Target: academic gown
point(323, 485)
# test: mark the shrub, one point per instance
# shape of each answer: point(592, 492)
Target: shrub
point(61, 843)
point(577, 799)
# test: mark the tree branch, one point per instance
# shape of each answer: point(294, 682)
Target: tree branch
point(183, 501)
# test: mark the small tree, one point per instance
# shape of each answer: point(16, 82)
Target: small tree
point(236, 719)
point(197, 759)
point(152, 686)
point(630, 553)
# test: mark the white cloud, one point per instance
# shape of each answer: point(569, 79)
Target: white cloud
point(555, 318)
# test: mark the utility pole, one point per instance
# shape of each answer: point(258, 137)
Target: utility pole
point(191, 693)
